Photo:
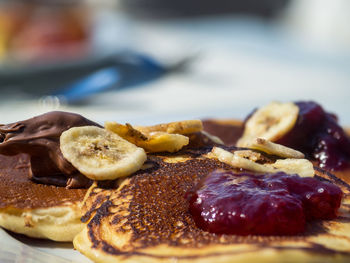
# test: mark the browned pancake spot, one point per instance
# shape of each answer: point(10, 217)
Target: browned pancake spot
point(17, 191)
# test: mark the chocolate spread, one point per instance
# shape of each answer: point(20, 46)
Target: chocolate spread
point(39, 138)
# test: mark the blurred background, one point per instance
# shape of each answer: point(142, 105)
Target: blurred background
point(159, 60)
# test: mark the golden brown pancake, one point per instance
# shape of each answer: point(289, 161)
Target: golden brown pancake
point(147, 220)
point(37, 210)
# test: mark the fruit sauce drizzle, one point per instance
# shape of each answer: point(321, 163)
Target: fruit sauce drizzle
point(225, 202)
point(319, 136)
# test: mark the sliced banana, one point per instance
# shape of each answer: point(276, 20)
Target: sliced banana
point(164, 142)
point(178, 127)
point(302, 167)
point(270, 122)
point(156, 141)
point(100, 154)
point(236, 160)
point(245, 160)
point(251, 155)
point(273, 148)
point(127, 132)
point(213, 138)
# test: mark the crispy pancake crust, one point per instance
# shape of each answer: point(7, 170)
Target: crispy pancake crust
point(60, 223)
point(37, 210)
point(147, 220)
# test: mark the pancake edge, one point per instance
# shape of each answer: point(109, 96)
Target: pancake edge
point(225, 254)
point(59, 223)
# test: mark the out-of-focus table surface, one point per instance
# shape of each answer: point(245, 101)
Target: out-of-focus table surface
point(240, 64)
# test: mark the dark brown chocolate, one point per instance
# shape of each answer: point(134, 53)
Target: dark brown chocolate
point(39, 138)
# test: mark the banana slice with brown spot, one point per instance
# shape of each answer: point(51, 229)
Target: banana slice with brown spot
point(155, 141)
point(238, 161)
point(302, 167)
point(251, 155)
point(127, 131)
point(273, 148)
point(100, 154)
point(270, 122)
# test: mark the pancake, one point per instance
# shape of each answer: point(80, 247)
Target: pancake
point(146, 219)
point(37, 210)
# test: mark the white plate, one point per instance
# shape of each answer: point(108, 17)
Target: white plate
point(19, 249)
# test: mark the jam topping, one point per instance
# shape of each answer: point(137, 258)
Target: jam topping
point(270, 204)
point(319, 136)
point(39, 138)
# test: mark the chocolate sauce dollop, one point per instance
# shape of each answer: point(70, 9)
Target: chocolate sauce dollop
point(39, 137)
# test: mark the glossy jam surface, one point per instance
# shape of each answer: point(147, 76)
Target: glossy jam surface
point(318, 135)
point(271, 204)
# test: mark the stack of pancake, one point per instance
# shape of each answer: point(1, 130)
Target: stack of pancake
point(145, 218)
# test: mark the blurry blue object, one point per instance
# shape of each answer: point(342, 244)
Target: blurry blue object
point(96, 82)
point(126, 71)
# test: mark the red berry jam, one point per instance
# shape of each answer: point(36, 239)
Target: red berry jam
point(318, 135)
point(269, 204)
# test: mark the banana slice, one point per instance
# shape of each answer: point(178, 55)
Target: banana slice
point(302, 167)
point(251, 155)
point(164, 142)
point(178, 127)
point(270, 122)
point(100, 154)
point(247, 161)
point(274, 148)
point(127, 132)
point(214, 138)
point(238, 161)
point(155, 141)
